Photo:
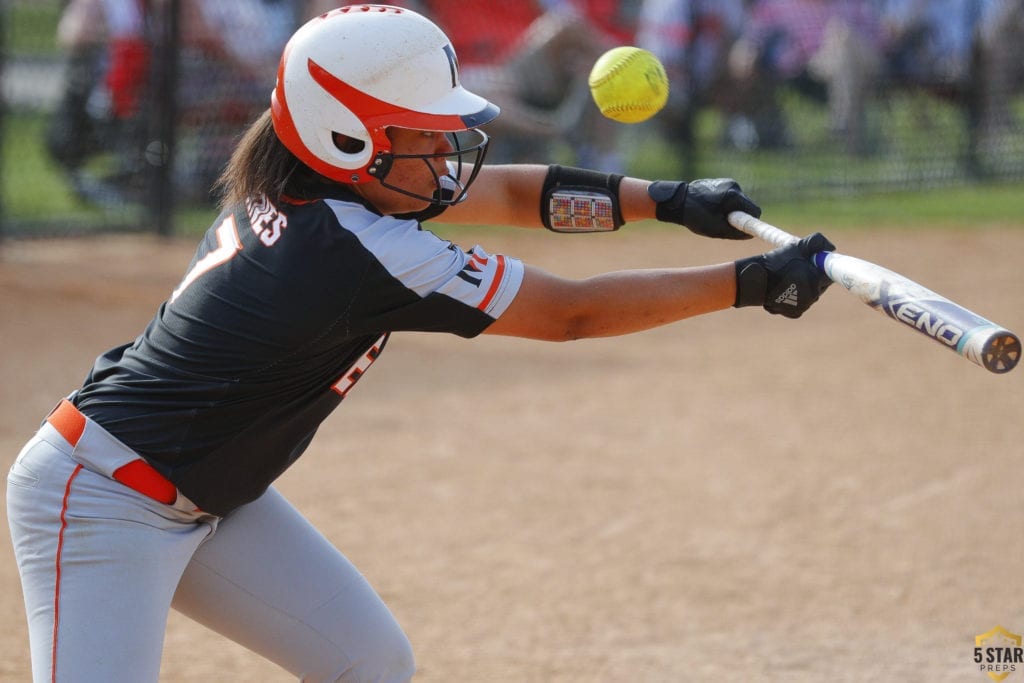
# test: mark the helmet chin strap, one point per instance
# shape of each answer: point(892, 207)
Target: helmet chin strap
point(448, 187)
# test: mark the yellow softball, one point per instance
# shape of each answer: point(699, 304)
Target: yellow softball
point(628, 84)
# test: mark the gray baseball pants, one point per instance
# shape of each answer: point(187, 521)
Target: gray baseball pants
point(101, 565)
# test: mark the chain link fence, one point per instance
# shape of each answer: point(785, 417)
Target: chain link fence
point(119, 114)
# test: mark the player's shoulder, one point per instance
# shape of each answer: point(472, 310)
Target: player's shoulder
point(338, 221)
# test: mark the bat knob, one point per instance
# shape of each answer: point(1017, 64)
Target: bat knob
point(1001, 353)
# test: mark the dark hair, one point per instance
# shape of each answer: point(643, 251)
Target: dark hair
point(262, 165)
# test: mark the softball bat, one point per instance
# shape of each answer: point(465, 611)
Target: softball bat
point(980, 341)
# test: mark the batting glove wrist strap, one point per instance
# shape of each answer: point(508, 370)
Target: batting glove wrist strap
point(702, 205)
point(784, 281)
point(578, 200)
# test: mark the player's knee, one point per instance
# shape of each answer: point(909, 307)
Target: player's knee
point(391, 660)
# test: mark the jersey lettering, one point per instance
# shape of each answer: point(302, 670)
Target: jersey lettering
point(359, 368)
point(267, 222)
point(470, 266)
point(228, 245)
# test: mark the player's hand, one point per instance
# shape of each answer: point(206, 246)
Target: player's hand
point(784, 281)
point(703, 205)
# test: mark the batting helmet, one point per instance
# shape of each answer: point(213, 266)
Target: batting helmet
point(356, 71)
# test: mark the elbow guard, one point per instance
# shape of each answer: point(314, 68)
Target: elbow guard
point(578, 200)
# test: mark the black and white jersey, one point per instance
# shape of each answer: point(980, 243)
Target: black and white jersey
point(282, 309)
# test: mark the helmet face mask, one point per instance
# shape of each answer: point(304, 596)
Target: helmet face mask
point(357, 71)
point(468, 149)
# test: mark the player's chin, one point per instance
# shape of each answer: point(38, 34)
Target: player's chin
point(422, 200)
point(396, 198)
point(406, 205)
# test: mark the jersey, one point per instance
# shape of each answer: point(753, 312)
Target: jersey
point(283, 308)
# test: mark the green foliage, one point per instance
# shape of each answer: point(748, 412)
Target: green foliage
point(37, 196)
point(34, 188)
point(912, 140)
point(32, 184)
point(965, 207)
point(31, 27)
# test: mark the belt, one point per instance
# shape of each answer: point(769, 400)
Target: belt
point(138, 475)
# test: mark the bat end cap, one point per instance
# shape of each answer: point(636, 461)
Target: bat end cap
point(1001, 353)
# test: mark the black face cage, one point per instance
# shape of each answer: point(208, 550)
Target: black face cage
point(469, 147)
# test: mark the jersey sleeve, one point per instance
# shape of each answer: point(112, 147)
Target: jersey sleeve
point(488, 283)
point(430, 284)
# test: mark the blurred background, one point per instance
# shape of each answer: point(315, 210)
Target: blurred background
point(117, 115)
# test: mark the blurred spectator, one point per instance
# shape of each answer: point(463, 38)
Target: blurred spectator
point(968, 51)
point(824, 49)
point(532, 58)
point(106, 65)
point(1000, 67)
point(227, 59)
point(929, 42)
point(692, 39)
point(227, 64)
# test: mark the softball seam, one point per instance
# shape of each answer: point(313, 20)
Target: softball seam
point(616, 68)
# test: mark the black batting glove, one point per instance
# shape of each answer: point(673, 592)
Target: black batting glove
point(784, 281)
point(703, 205)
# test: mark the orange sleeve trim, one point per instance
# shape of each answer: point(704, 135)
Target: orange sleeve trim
point(495, 283)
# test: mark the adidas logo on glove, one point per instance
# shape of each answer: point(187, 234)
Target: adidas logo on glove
point(788, 297)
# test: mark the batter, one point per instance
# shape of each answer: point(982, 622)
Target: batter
point(150, 486)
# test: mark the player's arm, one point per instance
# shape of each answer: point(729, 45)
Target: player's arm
point(511, 195)
point(502, 195)
point(530, 196)
point(553, 308)
point(784, 281)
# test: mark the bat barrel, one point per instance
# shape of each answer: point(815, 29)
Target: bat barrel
point(962, 331)
point(978, 340)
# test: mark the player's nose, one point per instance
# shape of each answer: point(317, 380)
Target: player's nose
point(444, 143)
point(443, 146)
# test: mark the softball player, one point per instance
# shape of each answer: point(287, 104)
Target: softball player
point(150, 485)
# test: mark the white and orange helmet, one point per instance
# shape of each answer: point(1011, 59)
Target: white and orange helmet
point(360, 69)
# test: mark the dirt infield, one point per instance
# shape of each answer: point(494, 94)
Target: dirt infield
point(736, 497)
